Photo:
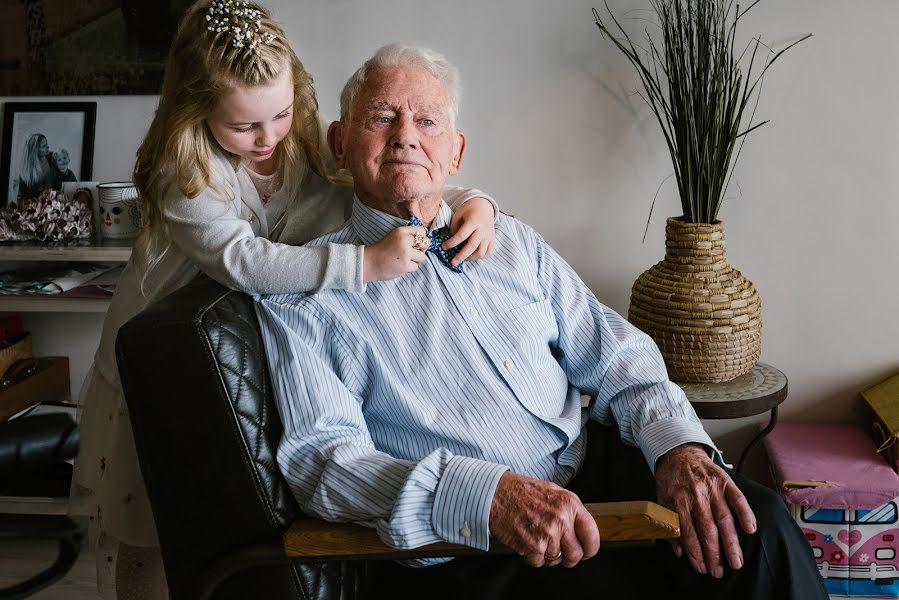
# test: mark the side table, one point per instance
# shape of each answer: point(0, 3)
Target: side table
point(762, 389)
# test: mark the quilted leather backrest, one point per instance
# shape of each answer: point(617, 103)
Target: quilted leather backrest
point(196, 382)
point(235, 346)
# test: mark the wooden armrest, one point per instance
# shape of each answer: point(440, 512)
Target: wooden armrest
point(617, 522)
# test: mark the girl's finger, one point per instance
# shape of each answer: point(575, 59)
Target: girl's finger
point(409, 230)
point(463, 233)
point(465, 251)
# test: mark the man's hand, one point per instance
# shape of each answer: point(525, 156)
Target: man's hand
point(472, 223)
point(538, 520)
point(706, 500)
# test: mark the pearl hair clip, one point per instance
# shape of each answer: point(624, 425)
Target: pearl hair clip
point(241, 21)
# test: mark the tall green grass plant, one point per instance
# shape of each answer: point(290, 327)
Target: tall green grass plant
point(693, 80)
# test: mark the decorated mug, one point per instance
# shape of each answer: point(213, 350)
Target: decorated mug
point(119, 209)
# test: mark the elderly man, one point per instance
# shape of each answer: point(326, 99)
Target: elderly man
point(446, 405)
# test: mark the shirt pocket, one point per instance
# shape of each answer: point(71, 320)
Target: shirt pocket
point(532, 328)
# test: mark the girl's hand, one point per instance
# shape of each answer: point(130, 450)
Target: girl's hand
point(393, 255)
point(473, 224)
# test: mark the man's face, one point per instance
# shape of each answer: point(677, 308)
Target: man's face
point(399, 142)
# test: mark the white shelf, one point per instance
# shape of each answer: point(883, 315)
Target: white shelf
point(103, 251)
point(49, 304)
point(34, 505)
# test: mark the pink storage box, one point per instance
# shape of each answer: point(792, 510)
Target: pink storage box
point(844, 497)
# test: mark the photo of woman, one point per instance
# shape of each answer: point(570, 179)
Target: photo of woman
point(36, 174)
point(45, 145)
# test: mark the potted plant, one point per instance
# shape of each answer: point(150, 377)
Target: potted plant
point(703, 314)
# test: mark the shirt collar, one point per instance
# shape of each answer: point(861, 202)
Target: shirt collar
point(371, 224)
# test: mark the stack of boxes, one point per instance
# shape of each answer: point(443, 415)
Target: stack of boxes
point(845, 498)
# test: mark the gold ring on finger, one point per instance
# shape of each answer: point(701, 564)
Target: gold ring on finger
point(420, 242)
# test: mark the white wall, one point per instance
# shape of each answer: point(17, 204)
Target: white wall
point(556, 137)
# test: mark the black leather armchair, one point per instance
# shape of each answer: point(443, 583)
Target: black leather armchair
point(196, 382)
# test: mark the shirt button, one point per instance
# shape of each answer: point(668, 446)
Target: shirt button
point(465, 531)
point(473, 312)
point(509, 363)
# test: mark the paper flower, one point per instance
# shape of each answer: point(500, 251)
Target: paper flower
point(50, 217)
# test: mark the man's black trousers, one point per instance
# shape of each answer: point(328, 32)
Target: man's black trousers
point(778, 562)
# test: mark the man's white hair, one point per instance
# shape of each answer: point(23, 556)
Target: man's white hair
point(404, 55)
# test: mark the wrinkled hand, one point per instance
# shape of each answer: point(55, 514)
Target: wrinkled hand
point(706, 500)
point(393, 255)
point(537, 519)
point(473, 224)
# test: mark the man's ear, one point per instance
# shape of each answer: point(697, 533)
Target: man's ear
point(458, 152)
point(335, 144)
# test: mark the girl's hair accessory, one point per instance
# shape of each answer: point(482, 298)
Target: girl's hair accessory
point(243, 23)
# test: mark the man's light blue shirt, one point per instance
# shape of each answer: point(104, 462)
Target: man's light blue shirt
point(404, 405)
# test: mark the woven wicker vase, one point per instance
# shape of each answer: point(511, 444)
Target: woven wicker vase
point(704, 315)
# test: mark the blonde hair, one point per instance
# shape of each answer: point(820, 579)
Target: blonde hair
point(32, 171)
point(61, 155)
point(202, 67)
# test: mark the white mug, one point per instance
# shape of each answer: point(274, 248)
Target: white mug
point(119, 209)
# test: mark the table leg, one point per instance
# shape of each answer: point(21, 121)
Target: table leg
point(758, 438)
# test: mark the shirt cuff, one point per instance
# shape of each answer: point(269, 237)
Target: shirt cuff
point(462, 501)
point(659, 437)
point(344, 268)
point(476, 193)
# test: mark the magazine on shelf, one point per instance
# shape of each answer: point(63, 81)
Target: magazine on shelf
point(52, 278)
point(102, 286)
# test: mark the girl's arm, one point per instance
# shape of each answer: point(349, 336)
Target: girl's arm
point(216, 232)
point(219, 235)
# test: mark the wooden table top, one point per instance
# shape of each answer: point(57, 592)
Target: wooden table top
point(760, 390)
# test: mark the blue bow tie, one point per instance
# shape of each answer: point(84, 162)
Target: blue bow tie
point(437, 237)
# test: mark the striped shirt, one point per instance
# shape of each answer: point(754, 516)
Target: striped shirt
point(404, 405)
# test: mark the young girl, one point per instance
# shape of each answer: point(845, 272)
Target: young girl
point(231, 176)
point(61, 171)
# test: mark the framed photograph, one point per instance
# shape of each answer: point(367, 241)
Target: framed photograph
point(44, 145)
point(85, 191)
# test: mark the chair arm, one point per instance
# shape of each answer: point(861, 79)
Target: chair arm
point(617, 521)
point(313, 540)
point(33, 442)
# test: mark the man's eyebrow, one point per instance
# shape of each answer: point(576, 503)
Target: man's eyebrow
point(252, 122)
point(426, 107)
point(378, 105)
point(430, 107)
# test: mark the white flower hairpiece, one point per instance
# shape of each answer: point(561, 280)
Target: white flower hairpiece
point(236, 18)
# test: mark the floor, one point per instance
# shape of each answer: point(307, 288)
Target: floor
point(21, 560)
